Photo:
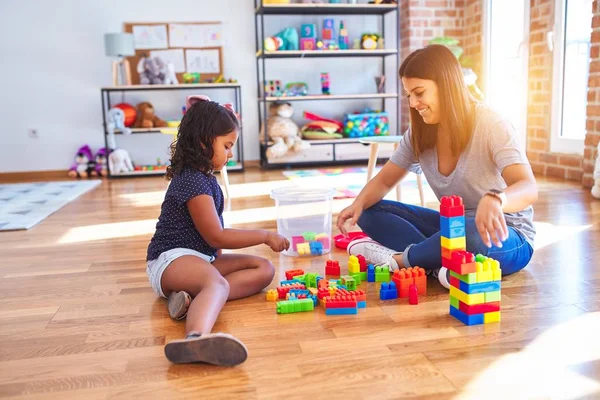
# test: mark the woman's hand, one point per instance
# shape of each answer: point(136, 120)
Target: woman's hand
point(352, 212)
point(276, 242)
point(490, 221)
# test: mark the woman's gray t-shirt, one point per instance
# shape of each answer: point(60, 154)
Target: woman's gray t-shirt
point(493, 147)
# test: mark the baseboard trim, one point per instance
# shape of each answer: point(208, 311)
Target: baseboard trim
point(34, 176)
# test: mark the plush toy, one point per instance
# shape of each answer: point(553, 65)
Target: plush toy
point(146, 117)
point(151, 70)
point(280, 125)
point(170, 76)
point(101, 160)
point(84, 163)
point(596, 188)
point(119, 161)
point(115, 119)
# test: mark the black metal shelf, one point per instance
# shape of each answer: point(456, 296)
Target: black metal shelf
point(325, 53)
point(325, 9)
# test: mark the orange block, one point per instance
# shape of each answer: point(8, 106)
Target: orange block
point(402, 278)
point(420, 279)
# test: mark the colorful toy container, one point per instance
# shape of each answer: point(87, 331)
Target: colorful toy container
point(366, 124)
point(304, 217)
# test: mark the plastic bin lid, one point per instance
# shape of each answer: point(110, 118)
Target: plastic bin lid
point(302, 194)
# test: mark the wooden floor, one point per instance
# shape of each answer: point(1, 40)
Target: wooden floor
point(79, 320)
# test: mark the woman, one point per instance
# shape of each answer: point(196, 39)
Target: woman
point(463, 148)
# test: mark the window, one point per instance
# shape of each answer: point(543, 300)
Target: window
point(572, 34)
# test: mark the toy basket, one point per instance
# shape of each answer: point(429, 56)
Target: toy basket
point(304, 217)
point(366, 124)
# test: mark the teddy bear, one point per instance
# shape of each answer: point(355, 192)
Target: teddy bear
point(283, 131)
point(146, 118)
point(84, 163)
point(596, 188)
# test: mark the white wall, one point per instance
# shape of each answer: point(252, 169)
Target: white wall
point(53, 65)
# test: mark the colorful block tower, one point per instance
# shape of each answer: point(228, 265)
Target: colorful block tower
point(474, 280)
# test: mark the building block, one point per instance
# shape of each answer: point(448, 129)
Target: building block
point(291, 281)
point(294, 306)
point(492, 296)
point(341, 311)
point(491, 317)
point(420, 279)
point(309, 236)
point(359, 294)
point(341, 301)
point(322, 282)
point(356, 276)
point(475, 288)
point(382, 273)
point(462, 262)
point(361, 304)
point(388, 291)
point(467, 278)
point(300, 278)
point(313, 291)
point(353, 265)
point(292, 273)
point(296, 240)
point(451, 206)
point(458, 243)
point(308, 31)
point(469, 299)
point(452, 227)
point(479, 308)
point(311, 279)
point(316, 248)
point(323, 238)
point(403, 279)
point(348, 281)
point(308, 44)
point(272, 295)
point(363, 276)
point(284, 289)
point(332, 268)
point(454, 302)
point(413, 294)
point(303, 249)
point(362, 262)
point(475, 319)
point(371, 273)
point(298, 293)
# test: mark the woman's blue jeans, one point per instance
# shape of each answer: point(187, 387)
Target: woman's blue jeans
point(399, 226)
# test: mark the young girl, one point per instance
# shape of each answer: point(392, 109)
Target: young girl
point(464, 148)
point(184, 262)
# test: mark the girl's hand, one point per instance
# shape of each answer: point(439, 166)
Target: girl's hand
point(277, 242)
point(490, 221)
point(352, 212)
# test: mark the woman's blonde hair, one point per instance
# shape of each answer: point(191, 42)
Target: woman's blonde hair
point(437, 63)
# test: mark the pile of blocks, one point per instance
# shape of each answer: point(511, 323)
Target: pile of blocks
point(475, 281)
point(310, 243)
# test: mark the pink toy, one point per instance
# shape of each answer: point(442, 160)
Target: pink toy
point(308, 44)
point(84, 163)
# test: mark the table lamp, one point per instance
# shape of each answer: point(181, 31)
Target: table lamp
point(120, 45)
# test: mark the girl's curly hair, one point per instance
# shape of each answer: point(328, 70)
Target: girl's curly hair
point(193, 147)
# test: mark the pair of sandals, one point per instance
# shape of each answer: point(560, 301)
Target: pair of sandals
point(219, 349)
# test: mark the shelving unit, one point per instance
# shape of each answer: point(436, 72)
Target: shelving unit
point(106, 105)
point(334, 151)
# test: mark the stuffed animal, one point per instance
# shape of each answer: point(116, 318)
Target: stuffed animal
point(281, 125)
point(84, 163)
point(170, 76)
point(146, 117)
point(115, 119)
point(119, 161)
point(596, 188)
point(151, 71)
point(101, 160)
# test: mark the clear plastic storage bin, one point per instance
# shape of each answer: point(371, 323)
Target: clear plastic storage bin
point(304, 218)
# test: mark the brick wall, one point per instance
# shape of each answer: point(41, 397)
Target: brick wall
point(539, 117)
point(472, 39)
point(593, 109)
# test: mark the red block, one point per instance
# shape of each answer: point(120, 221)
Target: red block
point(420, 279)
point(452, 206)
point(332, 268)
point(462, 262)
point(362, 262)
point(479, 308)
point(454, 281)
point(323, 283)
point(359, 294)
point(413, 294)
point(282, 291)
point(289, 275)
point(342, 301)
point(322, 293)
point(403, 279)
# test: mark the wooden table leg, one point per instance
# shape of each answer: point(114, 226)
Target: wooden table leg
point(225, 180)
point(372, 160)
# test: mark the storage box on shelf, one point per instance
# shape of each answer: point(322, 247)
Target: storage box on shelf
point(193, 88)
point(329, 151)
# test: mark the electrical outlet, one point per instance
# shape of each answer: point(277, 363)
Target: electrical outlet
point(33, 133)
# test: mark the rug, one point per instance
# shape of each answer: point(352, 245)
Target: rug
point(347, 182)
point(23, 205)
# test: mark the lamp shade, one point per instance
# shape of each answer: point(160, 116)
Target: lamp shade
point(118, 44)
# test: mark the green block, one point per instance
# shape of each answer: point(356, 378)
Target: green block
point(454, 302)
point(311, 280)
point(467, 278)
point(309, 236)
point(382, 273)
point(356, 277)
point(294, 306)
point(301, 278)
point(480, 258)
point(492, 296)
point(363, 276)
point(348, 281)
point(333, 283)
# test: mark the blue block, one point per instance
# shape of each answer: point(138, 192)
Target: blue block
point(314, 298)
point(370, 273)
point(452, 227)
point(362, 304)
point(308, 31)
point(388, 291)
point(299, 292)
point(473, 319)
point(318, 279)
point(290, 282)
point(316, 248)
point(483, 287)
point(341, 287)
point(341, 311)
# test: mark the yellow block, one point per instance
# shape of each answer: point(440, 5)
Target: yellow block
point(353, 265)
point(303, 248)
point(468, 299)
point(496, 271)
point(321, 236)
point(272, 295)
point(484, 271)
point(455, 243)
point(490, 317)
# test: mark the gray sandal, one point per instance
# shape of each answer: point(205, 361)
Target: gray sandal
point(213, 348)
point(179, 302)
